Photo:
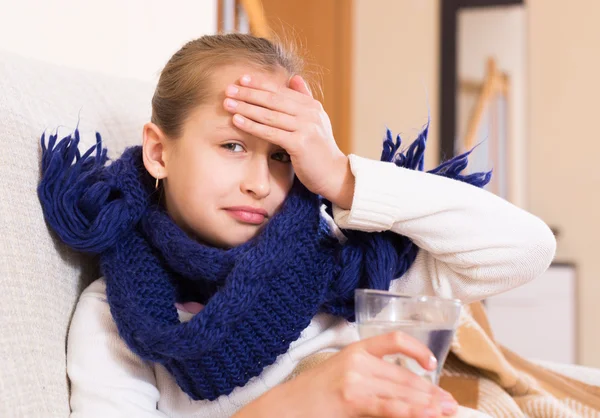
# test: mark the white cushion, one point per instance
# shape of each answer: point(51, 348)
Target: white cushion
point(588, 375)
point(41, 279)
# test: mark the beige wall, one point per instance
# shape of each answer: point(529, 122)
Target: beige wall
point(564, 146)
point(396, 64)
point(395, 73)
point(132, 38)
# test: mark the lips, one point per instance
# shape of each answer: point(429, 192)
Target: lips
point(248, 214)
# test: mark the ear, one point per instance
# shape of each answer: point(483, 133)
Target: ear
point(154, 151)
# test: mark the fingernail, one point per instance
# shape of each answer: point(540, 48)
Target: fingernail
point(238, 119)
point(432, 363)
point(232, 90)
point(448, 407)
point(246, 79)
point(230, 103)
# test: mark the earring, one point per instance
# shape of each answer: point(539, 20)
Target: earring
point(157, 180)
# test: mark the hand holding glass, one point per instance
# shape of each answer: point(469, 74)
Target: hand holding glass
point(431, 320)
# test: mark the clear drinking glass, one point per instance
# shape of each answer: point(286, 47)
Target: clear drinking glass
point(430, 319)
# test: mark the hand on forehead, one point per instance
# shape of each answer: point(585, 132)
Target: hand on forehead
point(232, 74)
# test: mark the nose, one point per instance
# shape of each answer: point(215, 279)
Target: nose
point(257, 178)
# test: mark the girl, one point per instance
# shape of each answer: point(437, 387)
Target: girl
point(232, 241)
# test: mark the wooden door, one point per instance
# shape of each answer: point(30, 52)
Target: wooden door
point(324, 29)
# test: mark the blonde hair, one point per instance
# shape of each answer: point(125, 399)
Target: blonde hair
point(184, 83)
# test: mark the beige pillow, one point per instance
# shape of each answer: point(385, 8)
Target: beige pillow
point(41, 279)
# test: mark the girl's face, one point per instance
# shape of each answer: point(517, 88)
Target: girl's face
point(221, 185)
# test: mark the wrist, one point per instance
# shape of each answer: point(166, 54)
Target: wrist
point(268, 405)
point(343, 185)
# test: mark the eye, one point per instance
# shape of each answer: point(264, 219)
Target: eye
point(233, 147)
point(282, 156)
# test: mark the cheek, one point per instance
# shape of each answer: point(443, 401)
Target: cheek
point(198, 181)
point(209, 185)
point(283, 176)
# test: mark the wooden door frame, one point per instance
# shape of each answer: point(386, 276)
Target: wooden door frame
point(344, 81)
point(449, 66)
point(344, 39)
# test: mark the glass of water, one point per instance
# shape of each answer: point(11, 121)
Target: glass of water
point(430, 319)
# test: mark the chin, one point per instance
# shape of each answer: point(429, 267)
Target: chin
point(242, 239)
point(239, 237)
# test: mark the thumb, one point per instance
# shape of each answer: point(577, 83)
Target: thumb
point(297, 83)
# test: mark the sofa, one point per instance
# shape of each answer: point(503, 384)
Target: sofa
point(40, 278)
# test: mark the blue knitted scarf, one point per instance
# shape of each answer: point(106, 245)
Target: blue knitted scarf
point(259, 296)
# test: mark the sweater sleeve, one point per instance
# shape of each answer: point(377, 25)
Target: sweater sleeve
point(473, 244)
point(107, 379)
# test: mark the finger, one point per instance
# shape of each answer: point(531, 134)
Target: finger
point(267, 99)
point(399, 375)
point(445, 395)
point(389, 390)
point(298, 84)
point(261, 83)
point(396, 408)
point(447, 403)
point(262, 115)
point(400, 343)
point(410, 386)
point(273, 135)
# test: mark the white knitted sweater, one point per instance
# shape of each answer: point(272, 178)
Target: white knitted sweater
point(473, 245)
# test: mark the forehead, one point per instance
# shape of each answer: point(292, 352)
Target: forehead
point(231, 74)
point(211, 116)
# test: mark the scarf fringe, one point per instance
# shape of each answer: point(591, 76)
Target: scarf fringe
point(414, 159)
point(81, 196)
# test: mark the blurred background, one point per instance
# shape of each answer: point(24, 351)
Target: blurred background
point(520, 79)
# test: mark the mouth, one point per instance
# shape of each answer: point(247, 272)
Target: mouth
point(248, 214)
